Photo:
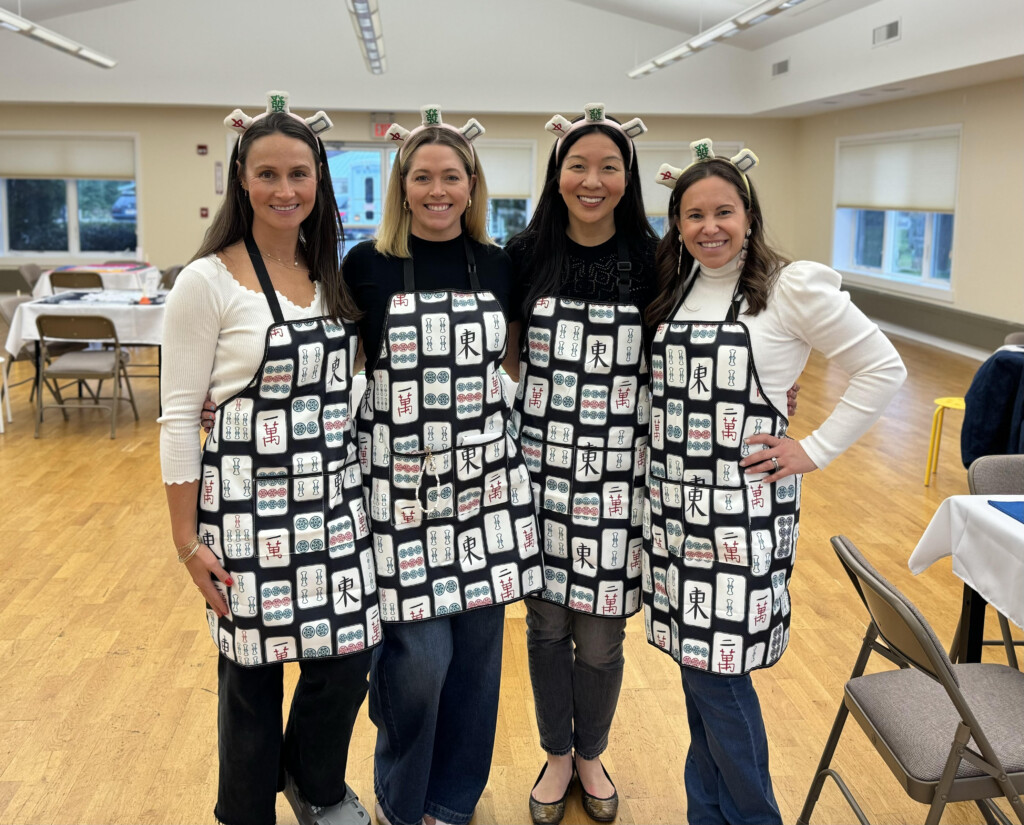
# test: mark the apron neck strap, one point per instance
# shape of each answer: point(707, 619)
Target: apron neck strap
point(409, 270)
point(264, 278)
point(735, 302)
point(625, 266)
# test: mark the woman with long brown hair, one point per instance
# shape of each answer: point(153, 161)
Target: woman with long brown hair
point(736, 322)
point(268, 517)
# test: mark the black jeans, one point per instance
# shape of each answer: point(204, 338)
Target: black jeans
point(576, 667)
point(254, 754)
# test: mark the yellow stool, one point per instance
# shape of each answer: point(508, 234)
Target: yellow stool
point(941, 405)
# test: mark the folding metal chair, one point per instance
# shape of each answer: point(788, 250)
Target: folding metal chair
point(76, 280)
point(949, 733)
point(83, 365)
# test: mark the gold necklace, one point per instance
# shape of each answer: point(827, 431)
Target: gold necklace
point(294, 266)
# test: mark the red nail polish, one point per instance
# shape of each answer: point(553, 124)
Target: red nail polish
point(229, 581)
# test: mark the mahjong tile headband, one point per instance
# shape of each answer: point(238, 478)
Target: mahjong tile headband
point(702, 150)
point(431, 116)
point(277, 102)
point(593, 115)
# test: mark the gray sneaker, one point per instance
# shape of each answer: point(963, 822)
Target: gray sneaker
point(346, 812)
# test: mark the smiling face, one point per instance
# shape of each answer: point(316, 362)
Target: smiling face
point(280, 176)
point(437, 189)
point(592, 181)
point(712, 221)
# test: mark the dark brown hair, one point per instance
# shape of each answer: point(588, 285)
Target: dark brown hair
point(321, 234)
point(674, 262)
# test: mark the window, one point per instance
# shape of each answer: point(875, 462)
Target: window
point(70, 194)
point(360, 173)
point(896, 243)
point(894, 215)
point(506, 217)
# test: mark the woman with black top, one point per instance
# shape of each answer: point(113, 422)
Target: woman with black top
point(452, 515)
point(586, 274)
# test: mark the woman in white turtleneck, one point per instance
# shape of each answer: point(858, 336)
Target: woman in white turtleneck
point(735, 325)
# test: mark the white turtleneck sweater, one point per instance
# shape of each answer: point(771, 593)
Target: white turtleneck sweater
point(807, 310)
point(215, 331)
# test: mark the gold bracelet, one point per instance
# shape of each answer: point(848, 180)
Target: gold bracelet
point(189, 548)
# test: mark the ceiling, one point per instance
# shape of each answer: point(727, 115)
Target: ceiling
point(536, 56)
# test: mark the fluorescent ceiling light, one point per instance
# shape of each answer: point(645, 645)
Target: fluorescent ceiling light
point(759, 12)
point(751, 16)
point(366, 21)
point(714, 33)
point(97, 58)
point(640, 71)
point(672, 56)
point(13, 22)
point(22, 25)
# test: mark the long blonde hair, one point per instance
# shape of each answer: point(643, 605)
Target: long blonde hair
point(393, 233)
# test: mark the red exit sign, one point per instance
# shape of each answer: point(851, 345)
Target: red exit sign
point(380, 122)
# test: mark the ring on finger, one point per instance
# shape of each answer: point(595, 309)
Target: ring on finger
point(775, 464)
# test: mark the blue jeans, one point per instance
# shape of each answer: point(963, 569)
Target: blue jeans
point(727, 777)
point(434, 699)
point(576, 667)
point(254, 754)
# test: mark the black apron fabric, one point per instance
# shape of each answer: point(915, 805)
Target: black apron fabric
point(720, 544)
point(280, 500)
point(449, 496)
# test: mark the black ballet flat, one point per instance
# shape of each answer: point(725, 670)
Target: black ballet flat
point(549, 813)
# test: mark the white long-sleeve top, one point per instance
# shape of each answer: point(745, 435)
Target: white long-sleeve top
point(807, 310)
point(215, 332)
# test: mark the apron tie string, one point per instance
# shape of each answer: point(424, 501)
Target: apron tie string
point(427, 459)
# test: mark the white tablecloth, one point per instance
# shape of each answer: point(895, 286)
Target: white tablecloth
point(135, 323)
point(114, 277)
point(987, 547)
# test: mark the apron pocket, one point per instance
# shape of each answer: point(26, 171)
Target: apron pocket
point(288, 516)
point(432, 486)
point(607, 486)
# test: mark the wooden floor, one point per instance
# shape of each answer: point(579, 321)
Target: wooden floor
point(109, 677)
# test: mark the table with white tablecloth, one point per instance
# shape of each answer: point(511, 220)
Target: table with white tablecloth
point(987, 546)
point(139, 321)
point(136, 323)
point(129, 275)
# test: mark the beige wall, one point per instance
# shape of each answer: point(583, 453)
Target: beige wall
point(988, 257)
point(174, 182)
point(795, 178)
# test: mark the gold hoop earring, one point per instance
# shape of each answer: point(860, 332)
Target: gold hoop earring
point(469, 203)
point(405, 205)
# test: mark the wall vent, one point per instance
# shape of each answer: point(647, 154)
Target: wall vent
point(886, 34)
point(780, 68)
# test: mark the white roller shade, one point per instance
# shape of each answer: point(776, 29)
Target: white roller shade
point(650, 157)
point(912, 173)
point(508, 168)
point(67, 156)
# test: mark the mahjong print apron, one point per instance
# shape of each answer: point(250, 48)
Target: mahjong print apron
point(720, 544)
point(281, 504)
point(581, 412)
point(451, 512)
